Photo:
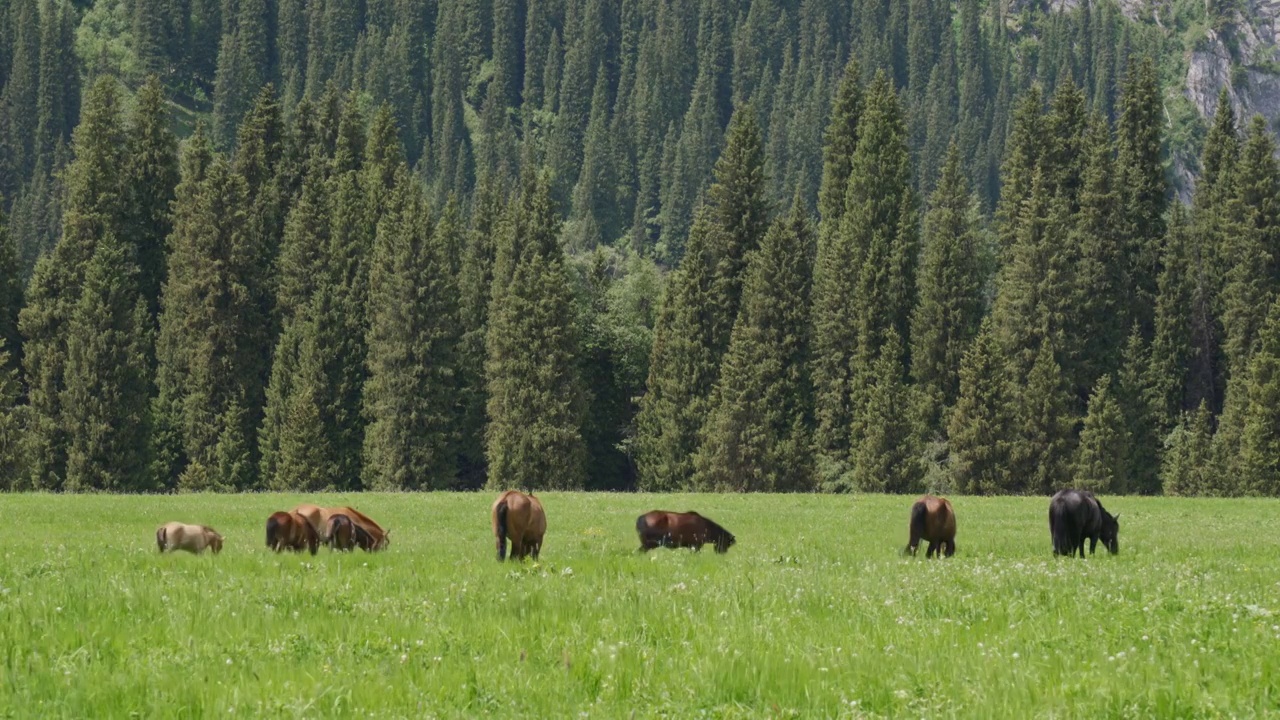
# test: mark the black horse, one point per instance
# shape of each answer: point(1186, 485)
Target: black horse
point(1076, 515)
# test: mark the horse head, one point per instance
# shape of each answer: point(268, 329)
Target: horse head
point(215, 542)
point(1110, 533)
point(724, 540)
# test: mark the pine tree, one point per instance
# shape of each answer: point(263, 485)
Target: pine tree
point(886, 444)
point(536, 402)
point(14, 473)
point(1102, 282)
point(10, 302)
point(593, 220)
point(92, 211)
point(1042, 448)
point(149, 179)
point(757, 433)
point(1145, 191)
point(1260, 447)
point(108, 380)
point(738, 207)
point(981, 427)
point(1188, 469)
point(475, 288)
point(683, 368)
point(1021, 158)
point(949, 313)
point(841, 142)
point(1102, 461)
point(864, 282)
point(209, 370)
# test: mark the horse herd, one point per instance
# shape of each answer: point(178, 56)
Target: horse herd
point(518, 518)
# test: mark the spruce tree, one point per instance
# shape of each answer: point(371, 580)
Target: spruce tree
point(1188, 468)
point(864, 281)
point(92, 210)
point(1021, 158)
point(756, 436)
point(841, 142)
point(10, 296)
point(738, 207)
point(209, 362)
point(949, 312)
point(536, 402)
point(108, 384)
point(14, 473)
point(982, 426)
point(1144, 189)
point(1139, 399)
point(149, 179)
point(1102, 461)
point(475, 289)
point(1044, 442)
point(886, 440)
point(1260, 447)
point(683, 367)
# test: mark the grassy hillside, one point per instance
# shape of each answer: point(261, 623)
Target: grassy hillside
point(812, 614)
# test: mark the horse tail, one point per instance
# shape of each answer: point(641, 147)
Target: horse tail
point(313, 538)
point(160, 536)
point(919, 524)
point(1063, 540)
point(500, 528)
point(273, 529)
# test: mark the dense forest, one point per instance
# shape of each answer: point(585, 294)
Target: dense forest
point(727, 245)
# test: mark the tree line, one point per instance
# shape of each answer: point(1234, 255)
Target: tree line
point(833, 275)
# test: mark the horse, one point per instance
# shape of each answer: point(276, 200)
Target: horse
point(933, 520)
point(341, 533)
point(292, 532)
point(1076, 515)
point(661, 528)
point(192, 538)
point(521, 518)
point(318, 518)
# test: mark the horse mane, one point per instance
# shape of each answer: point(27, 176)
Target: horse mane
point(713, 525)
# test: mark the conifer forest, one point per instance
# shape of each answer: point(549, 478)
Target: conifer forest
point(980, 247)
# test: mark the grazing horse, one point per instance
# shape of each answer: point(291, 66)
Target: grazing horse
point(319, 519)
point(341, 533)
point(1076, 515)
point(661, 528)
point(521, 518)
point(933, 521)
point(192, 538)
point(290, 531)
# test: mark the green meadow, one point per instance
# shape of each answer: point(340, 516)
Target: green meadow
point(814, 613)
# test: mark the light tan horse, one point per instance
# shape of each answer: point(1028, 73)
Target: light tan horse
point(521, 518)
point(192, 538)
point(319, 517)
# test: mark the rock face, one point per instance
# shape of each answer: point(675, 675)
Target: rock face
point(1240, 55)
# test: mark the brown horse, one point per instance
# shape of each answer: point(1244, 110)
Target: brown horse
point(933, 520)
point(521, 518)
point(290, 531)
point(192, 538)
point(661, 528)
point(343, 534)
point(319, 517)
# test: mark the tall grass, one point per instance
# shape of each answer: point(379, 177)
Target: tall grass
point(812, 614)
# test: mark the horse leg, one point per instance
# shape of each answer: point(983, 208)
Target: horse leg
point(930, 550)
point(1093, 545)
point(534, 549)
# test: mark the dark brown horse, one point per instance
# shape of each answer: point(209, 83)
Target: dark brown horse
point(290, 531)
point(521, 518)
point(933, 521)
point(341, 533)
point(661, 528)
point(1078, 515)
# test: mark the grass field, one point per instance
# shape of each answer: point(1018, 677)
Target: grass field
point(812, 614)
